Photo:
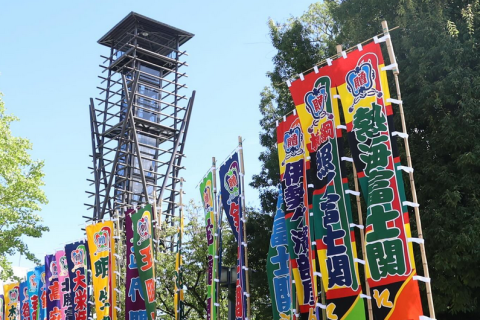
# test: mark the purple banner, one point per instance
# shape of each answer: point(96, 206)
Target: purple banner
point(53, 288)
point(78, 262)
point(134, 297)
point(64, 283)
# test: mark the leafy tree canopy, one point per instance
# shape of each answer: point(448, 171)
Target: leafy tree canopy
point(21, 179)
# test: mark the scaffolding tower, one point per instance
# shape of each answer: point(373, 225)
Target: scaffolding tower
point(139, 122)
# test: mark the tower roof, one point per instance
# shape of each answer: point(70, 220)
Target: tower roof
point(147, 25)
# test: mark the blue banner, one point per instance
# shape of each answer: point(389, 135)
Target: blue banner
point(77, 261)
point(53, 289)
point(278, 270)
point(38, 294)
point(24, 302)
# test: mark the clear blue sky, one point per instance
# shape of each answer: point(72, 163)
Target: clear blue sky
point(49, 61)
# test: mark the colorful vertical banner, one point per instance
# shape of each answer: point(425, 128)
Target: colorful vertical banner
point(12, 301)
point(64, 286)
point(102, 248)
point(206, 192)
point(134, 296)
point(24, 301)
point(291, 152)
point(143, 249)
point(231, 191)
point(179, 298)
point(363, 88)
point(331, 210)
point(278, 270)
point(37, 291)
point(2, 307)
point(77, 262)
point(53, 288)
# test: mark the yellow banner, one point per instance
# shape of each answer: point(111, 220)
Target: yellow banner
point(101, 246)
point(12, 301)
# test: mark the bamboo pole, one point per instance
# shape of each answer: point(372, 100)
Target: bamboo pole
point(362, 232)
point(396, 71)
point(363, 244)
point(119, 252)
point(242, 168)
point(179, 251)
point(215, 284)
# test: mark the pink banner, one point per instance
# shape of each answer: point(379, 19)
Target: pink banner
point(64, 283)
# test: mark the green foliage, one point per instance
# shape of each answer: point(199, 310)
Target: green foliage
point(21, 179)
point(300, 43)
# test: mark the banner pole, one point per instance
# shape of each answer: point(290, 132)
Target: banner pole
point(116, 225)
point(396, 71)
point(214, 293)
point(179, 312)
point(362, 240)
point(242, 168)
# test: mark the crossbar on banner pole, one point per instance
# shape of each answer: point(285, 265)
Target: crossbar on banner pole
point(242, 168)
point(360, 222)
point(396, 71)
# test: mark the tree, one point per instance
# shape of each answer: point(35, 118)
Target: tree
point(21, 179)
point(300, 43)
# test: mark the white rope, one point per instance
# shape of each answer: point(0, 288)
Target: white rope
point(289, 84)
point(406, 169)
point(400, 134)
point(382, 39)
point(364, 296)
point(390, 67)
point(301, 76)
point(321, 306)
point(329, 61)
point(411, 204)
point(396, 101)
point(360, 47)
point(359, 226)
point(341, 126)
point(355, 193)
point(416, 240)
point(348, 159)
point(423, 279)
point(315, 68)
point(359, 261)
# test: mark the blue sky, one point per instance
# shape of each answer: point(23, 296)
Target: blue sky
point(49, 61)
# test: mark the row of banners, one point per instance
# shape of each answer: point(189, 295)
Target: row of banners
point(230, 201)
point(313, 227)
point(59, 289)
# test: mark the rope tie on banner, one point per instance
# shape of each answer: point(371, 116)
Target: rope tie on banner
point(400, 134)
point(411, 204)
point(359, 47)
point(336, 96)
point(353, 225)
point(216, 280)
point(315, 68)
point(118, 291)
point(392, 66)
point(318, 274)
point(301, 76)
point(376, 39)
point(406, 169)
point(118, 309)
point(423, 279)
point(416, 240)
point(91, 302)
point(117, 273)
point(395, 101)
point(311, 186)
point(348, 159)
point(355, 193)
point(314, 243)
point(293, 280)
point(246, 294)
point(342, 126)
point(344, 54)
point(311, 214)
point(329, 61)
point(244, 244)
point(426, 318)
point(321, 306)
point(359, 261)
point(116, 237)
point(289, 84)
point(245, 268)
point(364, 296)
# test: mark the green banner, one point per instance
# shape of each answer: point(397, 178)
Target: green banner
point(206, 191)
point(143, 248)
